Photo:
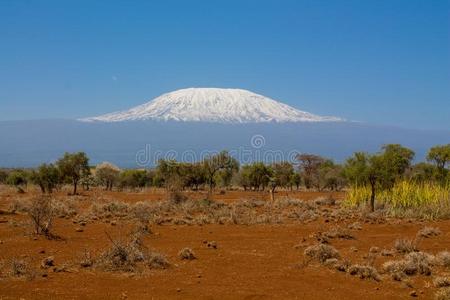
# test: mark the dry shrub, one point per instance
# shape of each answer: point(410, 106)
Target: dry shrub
point(413, 263)
point(442, 281)
point(110, 209)
point(364, 272)
point(65, 208)
point(21, 268)
point(42, 213)
point(405, 245)
point(428, 232)
point(443, 259)
point(176, 197)
point(129, 256)
point(443, 294)
point(86, 260)
point(355, 226)
point(187, 254)
point(321, 252)
point(19, 205)
point(339, 233)
point(325, 201)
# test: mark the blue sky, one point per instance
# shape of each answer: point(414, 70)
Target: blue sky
point(384, 62)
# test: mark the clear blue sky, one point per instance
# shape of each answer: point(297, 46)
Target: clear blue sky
point(385, 62)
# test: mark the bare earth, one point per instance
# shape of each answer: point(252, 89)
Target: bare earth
point(260, 261)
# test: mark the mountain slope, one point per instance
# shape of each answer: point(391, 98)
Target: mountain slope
point(213, 105)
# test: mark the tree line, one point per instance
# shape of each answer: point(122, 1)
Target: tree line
point(379, 170)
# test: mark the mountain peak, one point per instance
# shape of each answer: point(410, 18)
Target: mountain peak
point(213, 105)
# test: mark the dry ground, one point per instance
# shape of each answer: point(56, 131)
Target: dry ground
point(262, 260)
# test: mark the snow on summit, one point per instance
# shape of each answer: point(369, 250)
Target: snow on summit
point(213, 105)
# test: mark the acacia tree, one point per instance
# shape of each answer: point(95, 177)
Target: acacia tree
point(309, 165)
point(73, 166)
point(108, 174)
point(215, 163)
point(440, 156)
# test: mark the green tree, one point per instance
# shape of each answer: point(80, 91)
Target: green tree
point(107, 174)
point(440, 156)
point(397, 161)
point(280, 175)
point(73, 166)
point(363, 169)
point(47, 177)
point(3, 176)
point(18, 179)
point(134, 179)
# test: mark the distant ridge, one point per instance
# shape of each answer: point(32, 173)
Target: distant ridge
point(213, 105)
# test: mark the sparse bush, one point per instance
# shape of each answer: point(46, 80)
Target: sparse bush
point(128, 256)
point(21, 268)
point(321, 252)
point(187, 253)
point(364, 272)
point(443, 259)
point(42, 213)
point(405, 245)
point(427, 232)
point(413, 263)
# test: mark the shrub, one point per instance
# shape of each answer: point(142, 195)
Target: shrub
point(443, 258)
point(405, 245)
point(126, 256)
point(321, 252)
point(42, 213)
point(187, 253)
point(427, 232)
point(364, 272)
point(441, 281)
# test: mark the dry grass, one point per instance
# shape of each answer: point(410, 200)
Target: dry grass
point(412, 264)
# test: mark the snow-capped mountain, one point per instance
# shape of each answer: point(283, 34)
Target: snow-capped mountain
point(213, 105)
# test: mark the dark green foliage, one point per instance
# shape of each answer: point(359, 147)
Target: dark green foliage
point(134, 179)
point(440, 156)
point(73, 166)
point(18, 178)
point(47, 177)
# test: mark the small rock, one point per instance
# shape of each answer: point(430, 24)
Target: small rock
point(212, 244)
point(48, 262)
point(79, 229)
point(413, 294)
point(42, 251)
point(113, 223)
point(178, 290)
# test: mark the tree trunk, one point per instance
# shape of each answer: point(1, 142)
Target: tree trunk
point(372, 196)
point(75, 183)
